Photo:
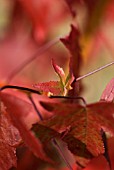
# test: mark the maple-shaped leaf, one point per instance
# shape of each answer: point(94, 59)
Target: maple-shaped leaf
point(53, 87)
point(78, 126)
point(108, 93)
point(9, 140)
point(56, 87)
point(19, 111)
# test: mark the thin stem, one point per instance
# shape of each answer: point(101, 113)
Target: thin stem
point(26, 89)
point(68, 97)
point(95, 71)
point(40, 51)
point(61, 153)
point(35, 107)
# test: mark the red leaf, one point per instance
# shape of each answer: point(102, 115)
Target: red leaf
point(9, 139)
point(98, 163)
point(105, 111)
point(53, 87)
point(111, 151)
point(71, 4)
point(78, 126)
point(72, 44)
point(108, 93)
point(19, 110)
point(72, 41)
point(43, 23)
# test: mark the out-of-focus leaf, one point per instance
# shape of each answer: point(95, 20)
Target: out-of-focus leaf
point(18, 111)
point(98, 163)
point(70, 4)
point(9, 140)
point(96, 11)
point(28, 161)
point(108, 93)
point(17, 46)
point(109, 15)
point(43, 22)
